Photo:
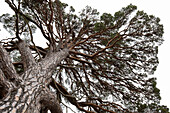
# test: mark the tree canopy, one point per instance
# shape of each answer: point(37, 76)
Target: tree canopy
point(110, 56)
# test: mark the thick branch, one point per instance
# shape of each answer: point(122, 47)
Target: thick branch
point(26, 55)
point(64, 92)
point(53, 59)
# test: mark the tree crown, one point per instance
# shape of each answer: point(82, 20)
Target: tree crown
point(110, 56)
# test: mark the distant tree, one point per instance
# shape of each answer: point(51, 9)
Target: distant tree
point(96, 63)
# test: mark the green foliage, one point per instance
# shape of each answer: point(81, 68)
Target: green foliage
point(125, 65)
point(6, 19)
point(152, 108)
point(9, 23)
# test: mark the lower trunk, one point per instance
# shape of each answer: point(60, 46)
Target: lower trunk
point(30, 93)
point(30, 96)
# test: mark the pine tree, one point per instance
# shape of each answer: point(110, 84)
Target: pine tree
point(98, 63)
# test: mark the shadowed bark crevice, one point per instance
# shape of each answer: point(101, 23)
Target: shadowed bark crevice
point(6, 65)
point(50, 102)
point(3, 89)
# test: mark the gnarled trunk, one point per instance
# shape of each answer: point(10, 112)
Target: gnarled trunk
point(28, 93)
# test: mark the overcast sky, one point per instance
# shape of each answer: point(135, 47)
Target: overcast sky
point(159, 8)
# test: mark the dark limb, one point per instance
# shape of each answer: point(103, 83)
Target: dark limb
point(69, 97)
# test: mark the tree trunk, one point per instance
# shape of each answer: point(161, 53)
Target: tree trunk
point(28, 93)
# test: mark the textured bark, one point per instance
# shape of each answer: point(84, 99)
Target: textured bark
point(32, 92)
point(26, 55)
point(6, 65)
point(27, 97)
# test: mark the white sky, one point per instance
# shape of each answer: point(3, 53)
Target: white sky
point(159, 8)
